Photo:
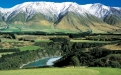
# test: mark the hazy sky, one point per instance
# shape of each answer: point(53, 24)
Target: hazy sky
point(11, 3)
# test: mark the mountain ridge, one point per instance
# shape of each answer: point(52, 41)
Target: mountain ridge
point(55, 15)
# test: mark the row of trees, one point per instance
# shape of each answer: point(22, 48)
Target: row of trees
point(60, 39)
point(10, 50)
point(67, 47)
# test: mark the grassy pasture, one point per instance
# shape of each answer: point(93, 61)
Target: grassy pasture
point(44, 40)
point(108, 71)
point(18, 44)
point(28, 48)
point(112, 47)
point(89, 41)
point(8, 40)
point(5, 53)
point(12, 29)
point(48, 29)
point(63, 71)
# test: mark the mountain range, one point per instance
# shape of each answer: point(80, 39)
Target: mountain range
point(61, 17)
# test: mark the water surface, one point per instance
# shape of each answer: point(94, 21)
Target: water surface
point(42, 62)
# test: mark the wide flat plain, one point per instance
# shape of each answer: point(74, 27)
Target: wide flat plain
point(63, 71)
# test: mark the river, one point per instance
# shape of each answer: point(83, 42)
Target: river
point(42, 62)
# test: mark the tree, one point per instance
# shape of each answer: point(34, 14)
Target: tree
point(74, 61)
point(115, 64)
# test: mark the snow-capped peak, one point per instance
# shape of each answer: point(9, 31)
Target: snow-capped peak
point(46, 8)
point(117, 8)
point(56, 9)
point(97, 9)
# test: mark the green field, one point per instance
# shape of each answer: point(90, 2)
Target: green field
point(63, 71)
point(11, 29)
point(90, 41)
point(5, 53)
point(20, 28)
point(108, 71)
point(45, 40)
point(8, 40)
point(28, 48)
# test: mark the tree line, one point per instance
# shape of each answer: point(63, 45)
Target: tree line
point(96, 57)
point(10, 50)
